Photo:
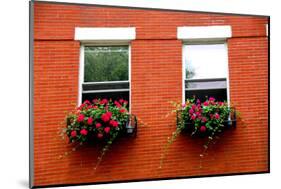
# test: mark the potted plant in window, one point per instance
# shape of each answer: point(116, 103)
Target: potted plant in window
point(100, 121)
point(202, 119)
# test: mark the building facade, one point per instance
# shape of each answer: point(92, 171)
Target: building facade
point(157, 47)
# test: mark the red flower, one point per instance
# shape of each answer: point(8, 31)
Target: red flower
point(121, 100)
point(217, 116)
point(100, 135)
point(90, 121)
point(191, 111)
point(203, 129)
point(109, 114)
point(95, 107)
point(105, 117)
point(84, 132)
point(73, 133)
point(117, 104)
point(107, 129)
point(113, 123)
point(193, 106)
point(98, 125)
point(104, 101)
point(80, 118)
point(122, 110)
point(206, 103)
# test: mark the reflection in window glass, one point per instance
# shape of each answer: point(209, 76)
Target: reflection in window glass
point(206, 61)
point(106, 64)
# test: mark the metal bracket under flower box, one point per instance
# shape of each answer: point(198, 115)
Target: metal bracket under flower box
point(231, 122)
point(131, 126)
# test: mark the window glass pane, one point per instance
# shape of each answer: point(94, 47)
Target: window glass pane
point(106, 64)
point(218, 94)
point(206, 61)
point(212, 84)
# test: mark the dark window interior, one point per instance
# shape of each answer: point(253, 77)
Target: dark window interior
point(218, 94)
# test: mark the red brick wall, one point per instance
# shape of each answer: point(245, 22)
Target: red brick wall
point(156, 79)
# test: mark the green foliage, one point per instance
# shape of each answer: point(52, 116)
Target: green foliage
point(106, 64)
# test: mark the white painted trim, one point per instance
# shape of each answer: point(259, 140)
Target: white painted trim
point(81, 74)
point(209, 33)
point(106, 82)
point(183, 73)
point(130, 89)
point(105, 91)
point(100, 34)
point(227, 76)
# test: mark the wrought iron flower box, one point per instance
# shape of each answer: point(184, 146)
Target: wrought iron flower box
point(131, 126)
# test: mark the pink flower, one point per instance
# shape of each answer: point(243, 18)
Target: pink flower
point(107, 129)
point(121, 100)
point(113, 123)
point(211, 99)
point(206, 103)
point(193, 117)
point(125, 102)
point(198, 114)
point(191, 111)
point(198, 101)
point(84, 132)
point(95, 101)
point(87, 102)
point(221, 103)
point(122, 110)
point(90, 121)
point(204, 119)
point(80, 118)
point(100, 135)
point(217, 116)
point(98, 125)
point(73, 133)
point(183, 105)
point(117, 104)
point(105, 117)
point(95, 107)
point(203, 129)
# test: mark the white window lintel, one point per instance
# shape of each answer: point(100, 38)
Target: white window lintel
point(195, 33)
point(105, 34)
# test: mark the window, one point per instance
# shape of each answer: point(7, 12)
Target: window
point(205, 70)
point(105, 72)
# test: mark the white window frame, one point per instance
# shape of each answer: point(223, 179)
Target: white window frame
point(81, 71)
point(204, 35)
point(101, 36)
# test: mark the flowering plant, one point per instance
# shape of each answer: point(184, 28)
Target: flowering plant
point(204, 119)
point(101, 119)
